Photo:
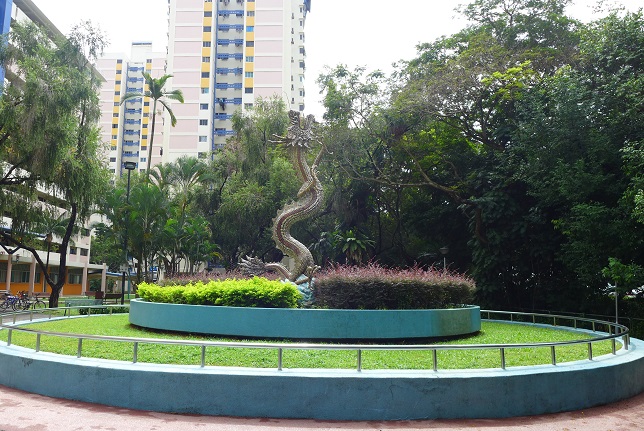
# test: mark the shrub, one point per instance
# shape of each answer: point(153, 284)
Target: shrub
point(254, 292)
point(375, 287)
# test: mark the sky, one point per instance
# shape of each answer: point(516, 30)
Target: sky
point(373, 33)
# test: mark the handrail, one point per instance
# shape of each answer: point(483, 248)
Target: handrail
point(614, 331)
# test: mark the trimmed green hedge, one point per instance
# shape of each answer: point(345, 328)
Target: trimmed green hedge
point(255, 292)
point(374, 287)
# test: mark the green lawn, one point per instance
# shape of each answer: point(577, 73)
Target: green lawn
point(491, 333)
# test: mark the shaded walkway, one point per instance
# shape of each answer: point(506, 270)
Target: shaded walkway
point(22, 411)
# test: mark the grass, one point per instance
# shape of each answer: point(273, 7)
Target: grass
point(491, 333)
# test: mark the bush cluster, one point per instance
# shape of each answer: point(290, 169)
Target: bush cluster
point(254, 292)
point(374, 287)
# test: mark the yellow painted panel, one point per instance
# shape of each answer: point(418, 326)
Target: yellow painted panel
point(248, 82)
point(205, 52)
point(205, 82)
point(250, 6)
point(207, 20)
point(117, 98)
point(117, 87)
point(116, 109)
point(250, 35)
point(249, 67)
point(250, 20)
point(249, 51)
point(115, 120)
point(119, 66)
point(207, 36)
point(205, 67)
point(146, 108)
point(207, 6)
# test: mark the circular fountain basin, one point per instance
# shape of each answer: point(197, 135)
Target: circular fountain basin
point(297, 323)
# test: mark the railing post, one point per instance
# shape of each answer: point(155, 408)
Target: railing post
point(613, 346)
point(553, 355)
point(435, 359)
point(203, 356)
point(38, 342)
point(135, 354)
point(80, 348)
point(502, 358)
point(590, 351)
point(359, 360)
point(9, 337)
point(279, 359)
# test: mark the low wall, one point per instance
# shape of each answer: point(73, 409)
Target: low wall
point(295, 323)
point(329, 394)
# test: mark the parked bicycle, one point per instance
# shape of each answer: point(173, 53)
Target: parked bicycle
point(21, 301)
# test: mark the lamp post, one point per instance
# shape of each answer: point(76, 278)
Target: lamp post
point(444, 250)
point(129, 166)
point(48, 238)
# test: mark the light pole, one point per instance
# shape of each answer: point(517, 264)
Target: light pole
point(48, 238)
point(129, 166)
point(444, 250)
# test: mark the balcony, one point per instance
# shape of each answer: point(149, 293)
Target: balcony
point(227, 70)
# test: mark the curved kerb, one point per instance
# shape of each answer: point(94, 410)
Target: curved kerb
point(329, 394)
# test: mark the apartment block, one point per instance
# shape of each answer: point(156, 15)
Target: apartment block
point(224, 55)
point(127, 127)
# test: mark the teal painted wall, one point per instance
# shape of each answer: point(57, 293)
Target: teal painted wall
point(306, 323)
point(329, 394)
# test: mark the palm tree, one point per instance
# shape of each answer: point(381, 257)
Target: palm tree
point(156, 92)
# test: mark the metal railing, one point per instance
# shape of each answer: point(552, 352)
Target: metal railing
point(611, 332)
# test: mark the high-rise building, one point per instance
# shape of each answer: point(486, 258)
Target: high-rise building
point(224, 54)
point(128, 126)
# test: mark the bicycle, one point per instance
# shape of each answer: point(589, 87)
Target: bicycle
point(25, 302)
point(10, 301)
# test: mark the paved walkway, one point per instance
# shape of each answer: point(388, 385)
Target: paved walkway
point(22, 411)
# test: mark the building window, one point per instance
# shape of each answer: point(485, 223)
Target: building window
point(148, 60)
point(145, 126)
point(250, 28)
point(113, 148)
point(117, 83)
point(112, 159)
point(115, 136)
point(248, 105)
point(207, 14)
point(248, 74)
point(144, 137)
point(146, 104)
point(250, 59)
point(119, 72)
point(203, 122)
point(117, 93)
point(203, 138)
point(115, 126)
point(207, 29)
point(74, 278)
point(203, 106)
point(119, 61)
point(207, 44)
point(250, 43)
point(205, 59)
point(250, 13)
point(205, 74)
point(116, 103)
point(205, 90)
point(248, 90)
point(72, 250)
point(84, 252)
point(116, 115)
point(146, 114)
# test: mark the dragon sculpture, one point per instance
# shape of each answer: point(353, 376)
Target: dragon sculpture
point(309, 200)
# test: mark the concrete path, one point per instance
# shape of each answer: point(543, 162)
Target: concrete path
point(22, 411)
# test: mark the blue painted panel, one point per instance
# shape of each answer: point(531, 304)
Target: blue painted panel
point(329, 394)
point(306, 323)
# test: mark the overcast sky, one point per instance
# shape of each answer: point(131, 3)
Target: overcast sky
point(372, 33)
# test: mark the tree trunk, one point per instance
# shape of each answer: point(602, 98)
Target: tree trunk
point(62, 268)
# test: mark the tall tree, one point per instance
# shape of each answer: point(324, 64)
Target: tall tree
point(49, 134)
point(158, 94)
